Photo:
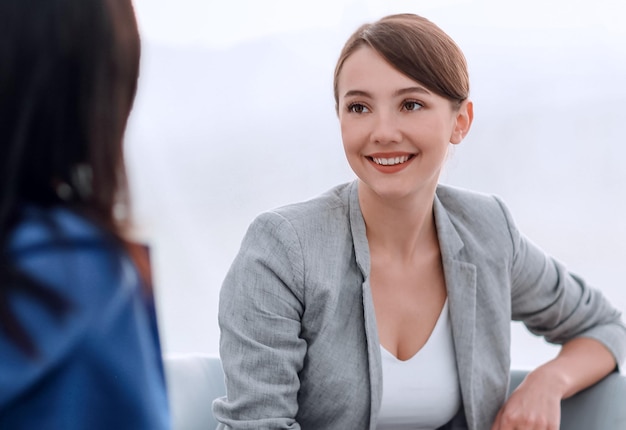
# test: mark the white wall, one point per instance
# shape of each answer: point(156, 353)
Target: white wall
point(235, 115)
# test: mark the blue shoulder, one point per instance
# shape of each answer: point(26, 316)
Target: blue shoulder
point(73, 257)
point(66, 252)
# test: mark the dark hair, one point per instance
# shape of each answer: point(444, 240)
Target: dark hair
point(68, 77)
point(417, 48)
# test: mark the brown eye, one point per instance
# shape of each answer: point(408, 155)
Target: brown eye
point(357, 108)
point(412, 105)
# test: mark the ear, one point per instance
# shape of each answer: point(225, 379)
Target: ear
point(463, 122)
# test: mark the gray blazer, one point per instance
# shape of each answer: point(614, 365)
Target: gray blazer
point(299, 341)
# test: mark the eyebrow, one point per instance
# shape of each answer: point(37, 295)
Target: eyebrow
point(399, 92)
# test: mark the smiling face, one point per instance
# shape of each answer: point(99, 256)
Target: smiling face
point(396, 132)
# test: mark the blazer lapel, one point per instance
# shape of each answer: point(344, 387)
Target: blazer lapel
point(460, 277)
point(361, 250)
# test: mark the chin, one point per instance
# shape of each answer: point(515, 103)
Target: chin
point(399, 189)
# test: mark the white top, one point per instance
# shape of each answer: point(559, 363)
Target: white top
point(421, 393)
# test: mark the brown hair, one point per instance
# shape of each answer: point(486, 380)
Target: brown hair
point(67, 84)
point(417, 48)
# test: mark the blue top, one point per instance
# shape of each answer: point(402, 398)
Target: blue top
point(99, 365)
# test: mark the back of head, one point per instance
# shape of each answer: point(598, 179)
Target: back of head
point(67, 83)
point(417, 48)
point(68, 77)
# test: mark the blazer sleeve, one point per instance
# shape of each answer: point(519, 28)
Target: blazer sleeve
point(557, 304)
point(260, 311)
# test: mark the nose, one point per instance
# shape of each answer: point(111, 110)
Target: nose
point(385, 128)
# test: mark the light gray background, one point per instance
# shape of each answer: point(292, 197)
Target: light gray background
point(235, 115)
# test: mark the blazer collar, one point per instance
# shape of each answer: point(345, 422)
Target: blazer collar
point(357, 226)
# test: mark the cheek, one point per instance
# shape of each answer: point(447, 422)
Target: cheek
point(352, 134)
point(434, 132)
point(346, 135)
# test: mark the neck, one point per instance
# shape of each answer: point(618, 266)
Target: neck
point(400, 227)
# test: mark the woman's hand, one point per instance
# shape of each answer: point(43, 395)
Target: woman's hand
point(534, 405)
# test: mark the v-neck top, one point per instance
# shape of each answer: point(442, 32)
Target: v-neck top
point(421, 393)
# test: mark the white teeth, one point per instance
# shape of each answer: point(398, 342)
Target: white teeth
point(391, 161)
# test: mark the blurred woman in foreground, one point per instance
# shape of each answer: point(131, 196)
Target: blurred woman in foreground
point(79, 345)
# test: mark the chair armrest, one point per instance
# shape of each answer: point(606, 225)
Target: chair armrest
point(193, 382)
point(601, 406)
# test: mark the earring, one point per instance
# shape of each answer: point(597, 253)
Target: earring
point(82, 177)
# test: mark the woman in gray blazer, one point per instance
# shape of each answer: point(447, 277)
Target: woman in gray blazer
point(320, 290)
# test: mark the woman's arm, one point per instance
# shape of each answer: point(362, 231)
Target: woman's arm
point(260, 311)
point(560, 306)
point(535, 404)
point(581, 363)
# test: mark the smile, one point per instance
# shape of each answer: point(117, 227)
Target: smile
point(390, 161)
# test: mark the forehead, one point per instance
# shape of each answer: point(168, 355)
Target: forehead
point(366, 70)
